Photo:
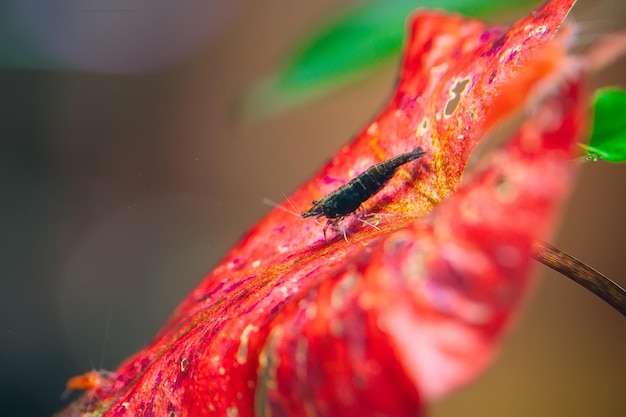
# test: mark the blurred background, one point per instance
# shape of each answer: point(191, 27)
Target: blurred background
point(127, 171)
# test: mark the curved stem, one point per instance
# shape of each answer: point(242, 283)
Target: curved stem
point(581, 273)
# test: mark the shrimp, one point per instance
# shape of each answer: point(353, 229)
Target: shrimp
point(348, 198)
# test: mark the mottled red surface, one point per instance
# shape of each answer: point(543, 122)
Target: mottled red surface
point(291, 324)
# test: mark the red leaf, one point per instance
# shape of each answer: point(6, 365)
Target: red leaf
point(292, 324)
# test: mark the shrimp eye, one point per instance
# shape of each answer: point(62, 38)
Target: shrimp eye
point(315, 202)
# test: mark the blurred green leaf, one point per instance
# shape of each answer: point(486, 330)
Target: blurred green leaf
point(608, 135)
point(353, 45)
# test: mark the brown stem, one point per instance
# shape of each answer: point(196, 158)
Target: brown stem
point(581, 273)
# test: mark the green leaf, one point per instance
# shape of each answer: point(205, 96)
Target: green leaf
point(608, 135)
point(352, 46)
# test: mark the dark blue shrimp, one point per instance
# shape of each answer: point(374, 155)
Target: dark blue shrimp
point(349, 197)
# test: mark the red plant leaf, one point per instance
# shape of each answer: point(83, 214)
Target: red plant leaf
point(291, 324)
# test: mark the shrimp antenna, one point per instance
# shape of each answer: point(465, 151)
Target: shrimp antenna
point(272, 203)
point(107, 330)
point(293, 206)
